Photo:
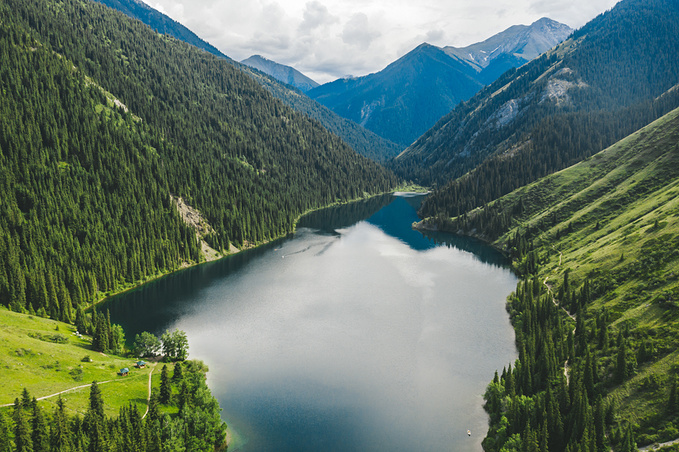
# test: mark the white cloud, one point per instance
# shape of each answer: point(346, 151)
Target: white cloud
point(315, 15)
point(357, 32)
point(327, 39)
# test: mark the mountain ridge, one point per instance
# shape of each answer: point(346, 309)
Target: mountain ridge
point(160, 22)
point(281, 72)
point(512, 47)
point(360, 139)
point(598, 86)
point(406, 98)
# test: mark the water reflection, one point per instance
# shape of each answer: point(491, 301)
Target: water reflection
point(351, 335)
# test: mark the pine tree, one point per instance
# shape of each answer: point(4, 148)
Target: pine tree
point(22, 432)
point(165, 390)
point(81, 321)
point(60, 440)
point(5, 445)
point(621, 362)
point(96, 402)
point(184, 398)
point(39, 436)
point(26, 399)
point(178, 374)
point(673, 399)
point(153, 414)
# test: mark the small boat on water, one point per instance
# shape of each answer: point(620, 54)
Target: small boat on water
point(469, 433)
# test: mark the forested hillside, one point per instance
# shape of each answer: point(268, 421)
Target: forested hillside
point(602, 84)
point(405, 99)
point(160, 22)
point(360, 139)
point(596, 315)
point(102, 120)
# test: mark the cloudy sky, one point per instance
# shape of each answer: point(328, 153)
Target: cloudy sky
point(327, 39)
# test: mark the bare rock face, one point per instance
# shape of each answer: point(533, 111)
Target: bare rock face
point(195, 219)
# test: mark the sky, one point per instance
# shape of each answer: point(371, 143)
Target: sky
point(328, 39)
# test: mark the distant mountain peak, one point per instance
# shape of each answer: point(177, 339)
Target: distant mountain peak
point(281, 72)
point(406, 98)
point(523, 42)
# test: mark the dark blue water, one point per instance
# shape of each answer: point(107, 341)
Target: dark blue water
point(356, 333)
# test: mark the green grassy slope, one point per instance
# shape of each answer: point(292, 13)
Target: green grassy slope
point(46, 357)
point(612, 223)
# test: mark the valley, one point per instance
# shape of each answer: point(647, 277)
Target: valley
point(149, 182)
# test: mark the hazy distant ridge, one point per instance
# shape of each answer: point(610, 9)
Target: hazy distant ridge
point(280, 72)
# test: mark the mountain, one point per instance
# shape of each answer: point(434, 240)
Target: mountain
point(596, 315)
point(511, 48)
point(280, 72)
point(405, 99)
point(160, 22)
point(402, 101)
point(127, 154)
point(360, 139)
point(607, 80)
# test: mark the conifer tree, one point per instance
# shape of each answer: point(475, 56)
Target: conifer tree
point(22, 432)
point(165, 390)
point(184, 397)
point(26, 399)
point(60, 438)
point(178, 374)
point(153, 414)
point(96, 402)
point(674, 396)
point(5, 445)
point(621, 362)
point(95, 421)
point(39, 435)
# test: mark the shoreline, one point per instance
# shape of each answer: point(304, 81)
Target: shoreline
point(423, 226)
point(102, 297)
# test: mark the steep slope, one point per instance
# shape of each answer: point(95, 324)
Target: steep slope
point(603, 237)
point(511, 48)
point(402, 101)
point(405, 99)
point(280, 72)
point(597, 87)
point(360, 139)
point(160, 22)
point(100, 126)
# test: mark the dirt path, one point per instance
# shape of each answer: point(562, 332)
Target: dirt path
point(658, 446)
point(61, 392)
point(549, 291)
point(148, 399)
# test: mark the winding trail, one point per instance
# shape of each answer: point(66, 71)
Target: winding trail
point(62, 392)
point(572, 316)
point(657, 446)
point(148, 399)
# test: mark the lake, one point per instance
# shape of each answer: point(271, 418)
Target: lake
point(356, 333)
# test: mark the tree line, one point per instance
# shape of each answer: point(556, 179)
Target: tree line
point(102, 121)
point(182, 415)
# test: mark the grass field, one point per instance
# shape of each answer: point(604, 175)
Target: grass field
point(46, 357)
point(614, 219)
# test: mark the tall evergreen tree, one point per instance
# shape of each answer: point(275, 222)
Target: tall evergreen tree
point(60, 435)
point(5, 444)
point(22, 431)
point(165, 389)
point(40, 434)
